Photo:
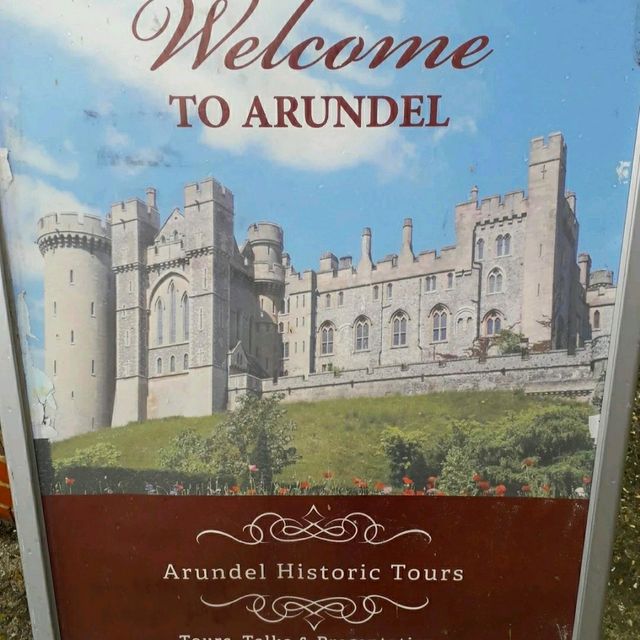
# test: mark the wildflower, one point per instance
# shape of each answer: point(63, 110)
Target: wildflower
point(253, 468)
point(483, 485)
point(387, 491)
point(379, 486)
point(283, 491)
point(476, 477)
point(407, 481)
point(234, 489)
point(501, 490)
point(408, 492)
point(304, 485)
point(69, 482)
point(546, 488)
point(327, 475)
point(528, 462)
point(179, 487)
point(526, 488)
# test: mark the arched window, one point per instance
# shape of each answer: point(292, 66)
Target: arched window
point(440, 318)
point(159, 322)
point(159, 366)
point(327, 301)
point(480, 249)
point(493, 324)
point(362, 334)
point(281, 327)
point(185, 361)
point(340, 299)
point(596, 320)
point(506, 245)
point(172, 364)
point(496, 281)
point(173, 312)
point(175, 236)
point(399, 324)
point(326, 337)
point(389, 291)
point(449, 280)
point(185, 317)
point(500, 246)
point(430, 283)
point(285, 349)
point(376, 292)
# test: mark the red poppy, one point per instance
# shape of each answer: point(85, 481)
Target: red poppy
point(431, 482)
point(304, 485)
point(546, 488)
point(407, 481)
point(476, 477)
point(327, 475)
point(379, 486)
point(501, 490)
point(234, 489)
point(528, 462)
point(586, 480)
point(283, 491)
point(408, 492)
point(69, 482)
point(420, 493)
point(483, 485)
point(526, 488)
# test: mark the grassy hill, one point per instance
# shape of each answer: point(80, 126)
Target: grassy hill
point(342, 436)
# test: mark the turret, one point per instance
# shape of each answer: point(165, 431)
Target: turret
point(366, 263)
point(79, 320)
point(584, 263)
point(406, 253)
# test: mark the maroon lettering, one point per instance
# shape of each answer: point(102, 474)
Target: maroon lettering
point(182, 105)
point(225, 112)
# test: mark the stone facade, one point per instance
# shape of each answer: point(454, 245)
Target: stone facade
point(185, 318)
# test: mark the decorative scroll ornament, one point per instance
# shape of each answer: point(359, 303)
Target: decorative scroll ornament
point(355, 612)
point(355, 527)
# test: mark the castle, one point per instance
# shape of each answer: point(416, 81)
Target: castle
point(146, 319)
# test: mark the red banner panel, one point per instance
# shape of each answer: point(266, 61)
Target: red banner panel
point(182, 568)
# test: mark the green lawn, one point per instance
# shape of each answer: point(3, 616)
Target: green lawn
point(341, 436)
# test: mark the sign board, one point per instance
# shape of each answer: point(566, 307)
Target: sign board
point(320, 318)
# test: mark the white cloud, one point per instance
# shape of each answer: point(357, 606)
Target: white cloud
point(623, 171)
point(24, 202)
point(461, 124)
point(100, 32)
point(115, 139)
point(37, 157)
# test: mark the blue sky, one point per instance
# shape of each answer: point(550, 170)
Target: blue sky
point(76, 98)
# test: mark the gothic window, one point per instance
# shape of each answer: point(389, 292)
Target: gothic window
point(326, 336)
point(496, 281)
point(503, 245)
point(493, 324)
point(172, 364)
point(185, 317)
point(450, 280)
point(285, 349)
point(596, 320)
point(159, 366)
point(480, 249)
point(340, 299)
point(430, 283)
point(327, 301)
point(399, 324)
point(185, 361)
point(159, 322)
point(362, 334)
point(440, 318)
point(175, 235)
point(389, 291)
point(376, 292)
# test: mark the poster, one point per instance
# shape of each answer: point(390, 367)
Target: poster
point(315, 304)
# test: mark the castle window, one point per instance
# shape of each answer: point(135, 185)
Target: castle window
point(327, 333)
point(295, 347)
point(130, 286)
point(185, 361)
point(503, 245)
point(159, 322)
point(450, 280)
point(440, 320)
point(172, 364)
point(288, 305)
point(71, 277)
point(93, 309)
point(281, 327)
point(55, 367)
point(327, 301)
point(430, 283)
point(340, 299)
point(175, 236)
point(399, 324)
point(480, 249)
point(493, 324)
point(596, 320)
point(389, 291)
point(304, 345)
point(185, 317)
point(205, 278)
point(73, 337)
point(496, 281)
point(376, 292)
point(93, 367)
point(285, 349)
point(172, 313)
point(55, 308)
point(362, 334)
point(159, 366)
point(304, 300)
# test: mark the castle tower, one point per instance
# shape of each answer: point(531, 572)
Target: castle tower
point(134, 225)
point(209, 247)
point(267, 243)
point(79, 320)
point(550, 255)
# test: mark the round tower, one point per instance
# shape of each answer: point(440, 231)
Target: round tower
point(79, 320)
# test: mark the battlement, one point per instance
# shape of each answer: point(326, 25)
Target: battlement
point(495, 206)
point(73, 229)
point(134, 209)
point(547, 149)
point(208, 190)
point(265, 232)
point(601, 278)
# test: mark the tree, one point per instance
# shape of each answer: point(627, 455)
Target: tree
point(404, 454)
point(102, 454)
point(509, 341)
point(457, 471)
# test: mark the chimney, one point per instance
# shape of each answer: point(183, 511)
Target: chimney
point(365, 255)
point(474, 194)
point(152, 198)
point(406, 253)
point(584, 262)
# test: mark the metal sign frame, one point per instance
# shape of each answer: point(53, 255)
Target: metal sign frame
point(619, 394)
